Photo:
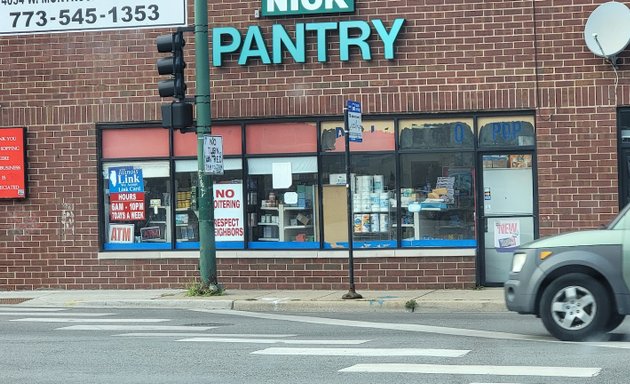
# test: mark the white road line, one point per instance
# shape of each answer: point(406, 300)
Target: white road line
point(72, 320)
point(107, 327)
point(390, 326)
point(55, 314)
point(27, 309)
point(274, 341)
point(609, 344)
point(380, 352)
point(183, 334)
point(412, 328)
point(475, 370)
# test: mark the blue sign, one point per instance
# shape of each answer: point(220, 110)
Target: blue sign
point(125, 179)
point(355, 130)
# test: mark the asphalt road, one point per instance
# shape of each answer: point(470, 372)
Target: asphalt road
point(125, 346)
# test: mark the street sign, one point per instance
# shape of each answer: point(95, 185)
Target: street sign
point(46, 16)
point(354, 121)
point(213, 154)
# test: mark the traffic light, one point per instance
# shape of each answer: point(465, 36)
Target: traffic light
point(179, 113)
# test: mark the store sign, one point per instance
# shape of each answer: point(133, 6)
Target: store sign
point(305, 7)
point(228, 212)
point(126, 206)
point(125, 179)
point(356, 34)
point(120, 233)
point(507, 234)
point(12, 163)
point(45, 16)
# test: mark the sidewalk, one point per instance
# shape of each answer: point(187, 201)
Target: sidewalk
point(481, 300)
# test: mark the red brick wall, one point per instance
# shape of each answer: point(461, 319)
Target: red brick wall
point(247, 273)
point(451, 56)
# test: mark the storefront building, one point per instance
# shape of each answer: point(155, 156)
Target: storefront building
point(484, 125)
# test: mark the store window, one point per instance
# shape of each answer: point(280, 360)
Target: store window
point(506, 131)
point(377, 135)
point(137, 205)
point(134, 143)
point(372, 183)
point(437, 193)
point(228, 201)
point(282, 203)
point(185, 144)
point(277, 138)
point(436, 133)
point(437, 199)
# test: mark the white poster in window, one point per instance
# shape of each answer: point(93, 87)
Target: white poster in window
point(282, 177)
point(213, 154)
point(228, 212)
point(507, 234)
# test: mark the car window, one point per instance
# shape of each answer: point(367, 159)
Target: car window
point(622, 220)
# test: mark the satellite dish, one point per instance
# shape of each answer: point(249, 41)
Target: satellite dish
point(607, 30)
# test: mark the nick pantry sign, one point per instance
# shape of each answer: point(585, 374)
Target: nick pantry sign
point(250, 44)
point(304, 7)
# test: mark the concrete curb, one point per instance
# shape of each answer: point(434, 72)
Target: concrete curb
point(427, 301)
point(366, 306)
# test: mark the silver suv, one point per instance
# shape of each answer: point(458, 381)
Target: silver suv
point(577, 283)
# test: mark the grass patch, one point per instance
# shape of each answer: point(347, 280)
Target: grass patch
point(197, 288)
point(411, 305)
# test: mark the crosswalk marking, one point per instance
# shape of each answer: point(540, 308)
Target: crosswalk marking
point(274, 341)
point(111, 327)
point(76, 320)
point(61, 314)
point(183, 334)
point(30, 309)
point(381, 352)
point(475, 370)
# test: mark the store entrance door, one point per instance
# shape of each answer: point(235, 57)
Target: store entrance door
point(506, 211)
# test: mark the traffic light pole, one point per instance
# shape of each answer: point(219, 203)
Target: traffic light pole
point(208, 254)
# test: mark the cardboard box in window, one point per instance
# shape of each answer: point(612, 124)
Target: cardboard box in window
point(303, 219)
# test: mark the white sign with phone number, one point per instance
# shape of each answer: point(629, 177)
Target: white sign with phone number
point(45, 16)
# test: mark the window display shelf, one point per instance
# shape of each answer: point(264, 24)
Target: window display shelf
point(298, 226)
point(290, 219)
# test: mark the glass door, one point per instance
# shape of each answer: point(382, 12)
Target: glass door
point(506, 209)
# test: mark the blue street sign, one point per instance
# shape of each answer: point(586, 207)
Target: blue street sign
point(355, 129)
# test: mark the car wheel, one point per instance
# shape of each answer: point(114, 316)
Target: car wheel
point(614, 321)
point(575, 307)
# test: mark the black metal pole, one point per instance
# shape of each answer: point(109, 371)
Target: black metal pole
point(352, 294)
